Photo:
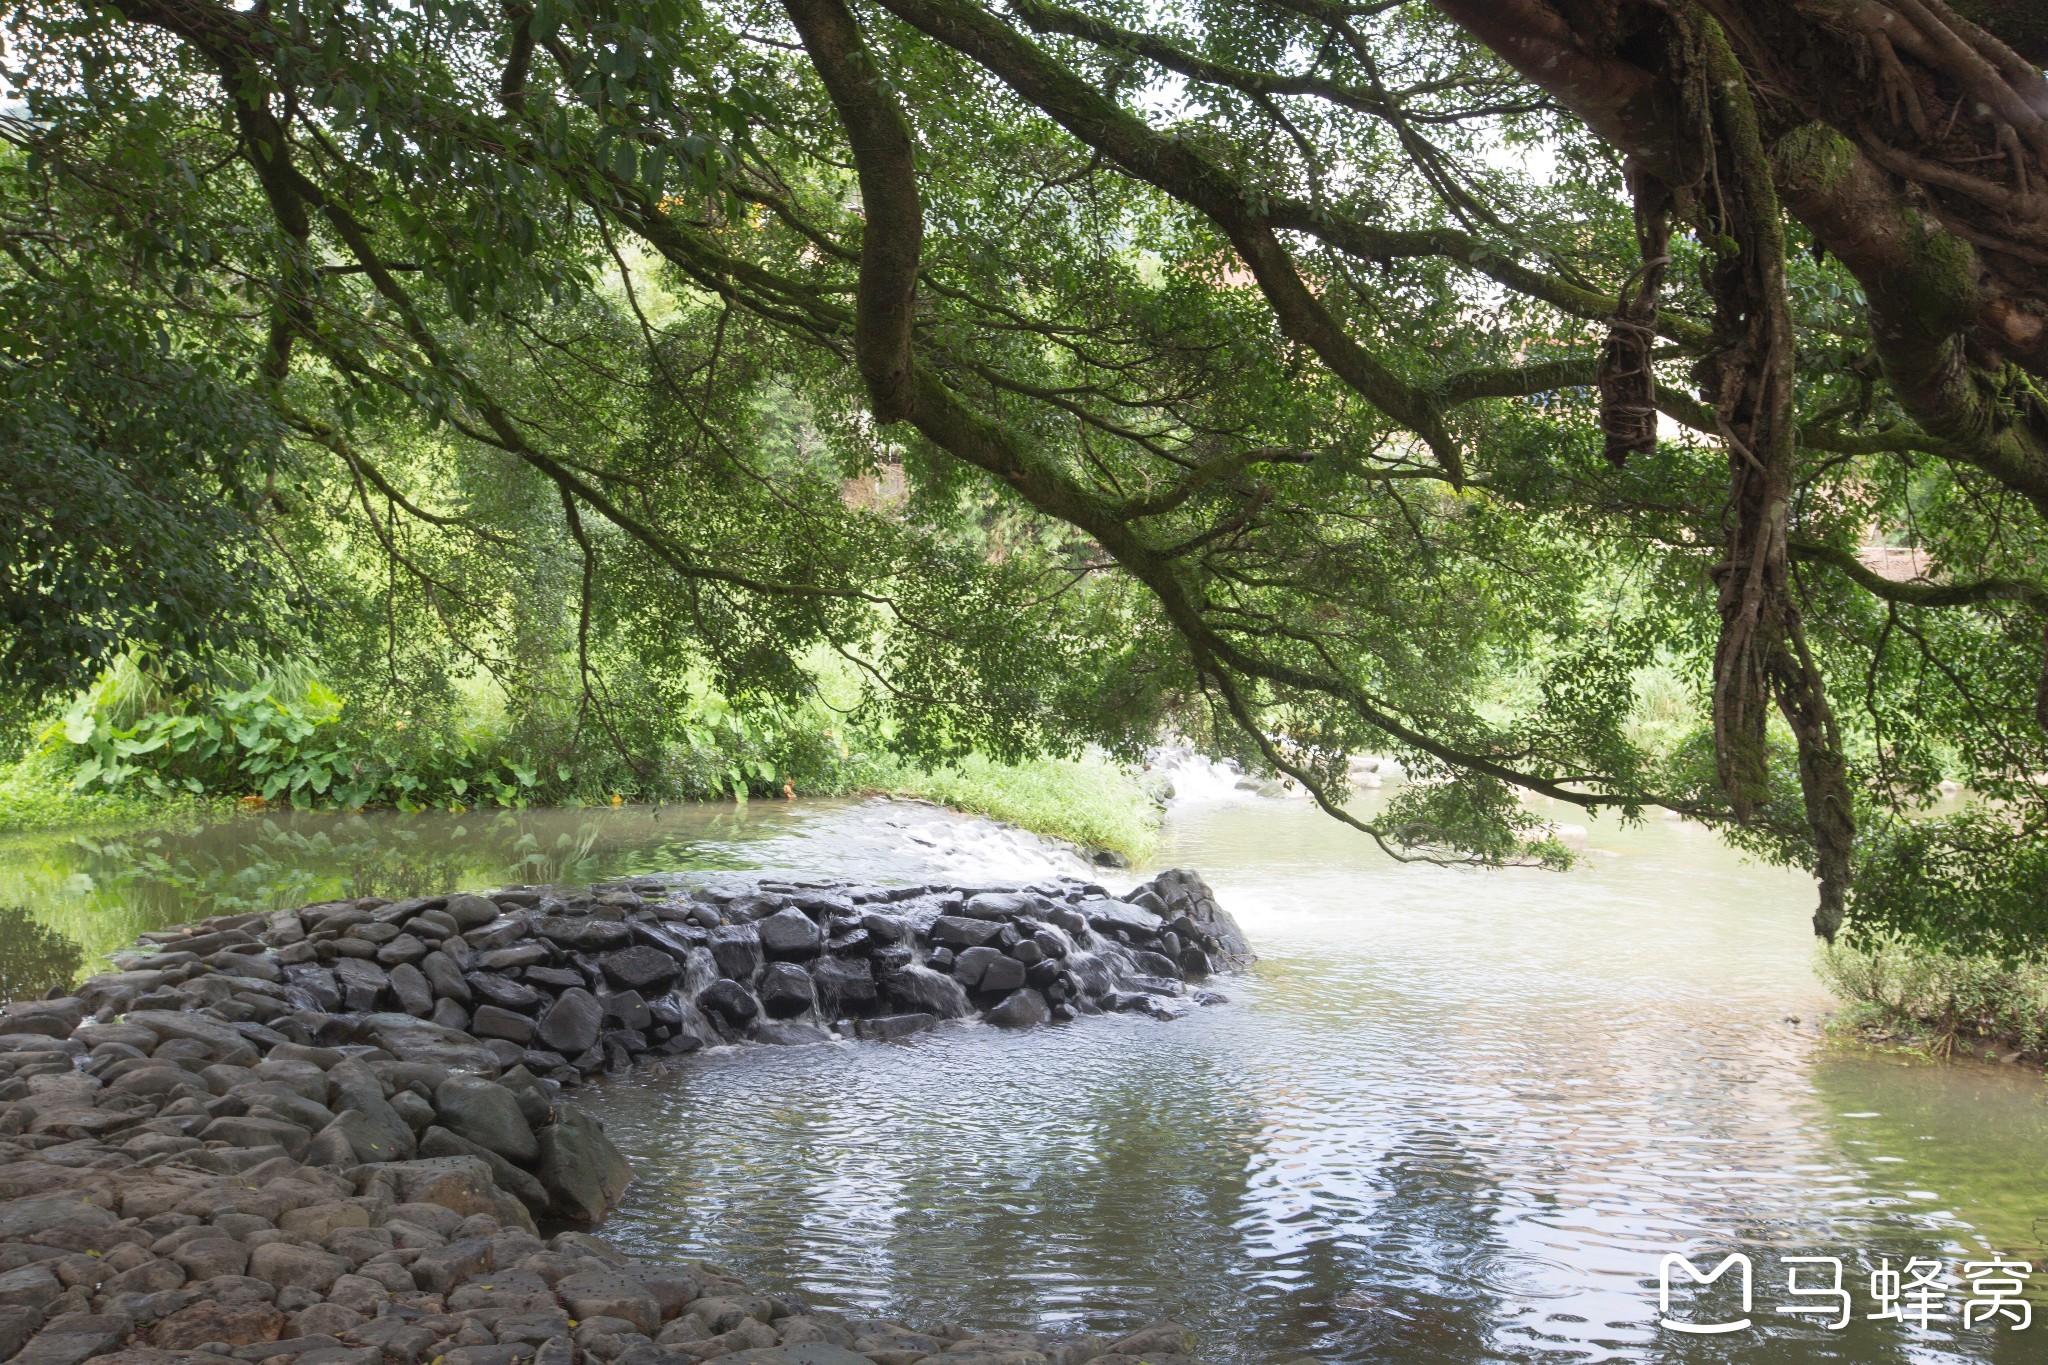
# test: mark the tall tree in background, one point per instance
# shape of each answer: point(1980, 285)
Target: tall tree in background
point(1342, 332)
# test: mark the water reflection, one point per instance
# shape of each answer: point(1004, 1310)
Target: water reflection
point(1452, 1117)
point(99, 892)
point(33, 959)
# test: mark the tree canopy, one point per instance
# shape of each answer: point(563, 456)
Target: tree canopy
point(1323, 375)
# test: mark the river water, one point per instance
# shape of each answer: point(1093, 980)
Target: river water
point(1452, 1116)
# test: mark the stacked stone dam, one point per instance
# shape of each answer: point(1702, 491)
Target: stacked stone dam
point(331, 1135)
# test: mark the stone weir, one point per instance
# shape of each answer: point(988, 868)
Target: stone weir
point(333, 1135)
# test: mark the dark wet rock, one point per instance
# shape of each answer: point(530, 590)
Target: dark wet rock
point(51, 1018)
point(986, 969)
point(585, 935)
point(581, 1170)
point(885, 928)
point(1110, 916)
point(736, 948)
point(1022, 1008)
point(1154, 964)
point(493, 1021)
point(500, 933)
point(730, 1000)
point(788, 933)
point(956, 932)
point(418, 1040)
point(437, 1141)
point(645, 969)
point(411, 990)
point(220, 1039)
point(571, 1025)
point(441, 1269)
point(969, 964)
point(786, 990)
point(789, 1033)
point(491, 989)
point(627, 1009)
point(511, 959)
point(844, 984)
point(920, 990)
point(486, 1114)
point(470, 912)
point(999, 905)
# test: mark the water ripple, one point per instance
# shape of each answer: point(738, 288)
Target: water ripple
point(1452, 1117)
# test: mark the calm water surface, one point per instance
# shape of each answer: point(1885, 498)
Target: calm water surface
point(1453, 1116)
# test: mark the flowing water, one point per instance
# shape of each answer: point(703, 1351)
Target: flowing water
point(1452, 1116)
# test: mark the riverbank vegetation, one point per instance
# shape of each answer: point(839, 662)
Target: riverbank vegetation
point(566, 401)
point(129, 751)
point(1902, 992)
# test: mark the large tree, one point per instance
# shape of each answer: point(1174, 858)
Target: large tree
point(1387, 351)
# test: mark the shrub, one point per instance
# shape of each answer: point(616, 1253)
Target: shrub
point(1901, 982)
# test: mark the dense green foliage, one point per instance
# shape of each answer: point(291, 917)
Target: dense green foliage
point(545, 352)
point(1931, 996)
point(286, 738)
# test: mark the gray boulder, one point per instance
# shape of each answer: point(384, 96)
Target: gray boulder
point(972, 963)
point(730, 999)
point(788, 933)
point(505, 993)
point(438, 1141)
point(409, 985)
point(843, 982)
point(1110, 916)
point(647, 970)
point(494, 1021)
point(418, 1040)
point(921, 990)
point(1024, 1008)
point(786, 990)
point(736, 948)
point(590, 935)
point(571, 1025)
point(487, 1115)
point(957, 932)
point(355, 1089)
point(582, 1171)
point(362, 1138)
point(362, 983)
point(470, 911)
point(999, 905)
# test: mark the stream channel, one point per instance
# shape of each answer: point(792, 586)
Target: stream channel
point(1452, 1115)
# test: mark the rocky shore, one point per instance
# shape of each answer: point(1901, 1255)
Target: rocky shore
point(335, 1135)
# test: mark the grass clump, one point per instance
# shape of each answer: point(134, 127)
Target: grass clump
point(1090, 801)
point(1899, 990)
point(36, 793)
